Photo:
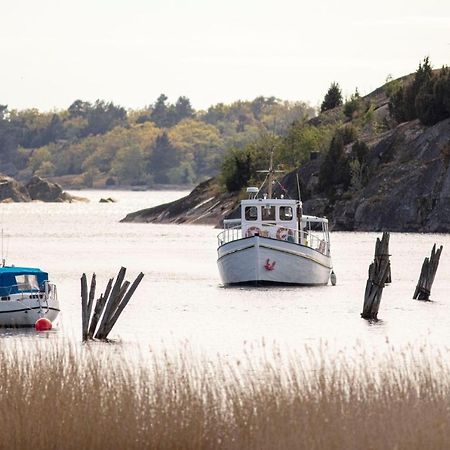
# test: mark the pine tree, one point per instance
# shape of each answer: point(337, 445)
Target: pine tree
point(332, 98)
point(163, 158)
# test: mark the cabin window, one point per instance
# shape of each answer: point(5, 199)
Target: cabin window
point(251, 213)
point(268, 213)
point(285, 213)
point(27, 282)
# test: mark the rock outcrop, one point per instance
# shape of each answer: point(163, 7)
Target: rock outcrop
point(36, 189)
point(46, 191)
point(13, 191)
point(205, 204)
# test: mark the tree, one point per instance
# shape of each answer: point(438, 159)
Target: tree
point(183, 109)
point(402, 102)
point(335, 168)
point(236, 169)
point(163, 158)
point(160, 112)
point(433, 100)
point(332, 98)
point(79, 109)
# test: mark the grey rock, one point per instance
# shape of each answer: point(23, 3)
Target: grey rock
point(12, 191)
point(46, 191)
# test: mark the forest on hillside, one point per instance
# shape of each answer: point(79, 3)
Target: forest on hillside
point(103, 144)
point(340, 135)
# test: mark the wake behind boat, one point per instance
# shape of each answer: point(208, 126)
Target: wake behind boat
point(26, 295)
point(274, 242)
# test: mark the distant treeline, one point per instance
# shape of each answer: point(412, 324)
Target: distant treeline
point(103, 143)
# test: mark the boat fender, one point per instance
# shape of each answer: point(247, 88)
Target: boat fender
point(333, 278)
point(253, 231)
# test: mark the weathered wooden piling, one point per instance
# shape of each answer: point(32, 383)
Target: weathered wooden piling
point(99, 323)
point(427, 274)
point(382, 251)
point(379, 271)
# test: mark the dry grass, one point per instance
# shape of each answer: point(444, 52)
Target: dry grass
point(64, 396)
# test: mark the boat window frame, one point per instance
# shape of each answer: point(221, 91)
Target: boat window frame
point(27, 282)
point(280, 217)
point(272, 217)
point(249, 218)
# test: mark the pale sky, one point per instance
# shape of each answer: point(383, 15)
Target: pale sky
point(53, 52)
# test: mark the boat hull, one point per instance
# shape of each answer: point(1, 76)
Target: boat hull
point(25, 313)
point(264, 260)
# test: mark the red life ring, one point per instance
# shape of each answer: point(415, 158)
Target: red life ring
point(252, 231)
point(283, 233)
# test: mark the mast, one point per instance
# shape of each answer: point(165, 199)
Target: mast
point(271, 175)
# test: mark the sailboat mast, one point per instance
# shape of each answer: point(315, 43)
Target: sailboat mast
point(271, 176)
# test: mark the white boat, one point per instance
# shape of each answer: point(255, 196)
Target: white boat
point(26, 295)
point(274, 242)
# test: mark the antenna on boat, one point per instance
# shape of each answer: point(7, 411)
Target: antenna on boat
point(270, 176)
point(298, 188)
point(3, 255)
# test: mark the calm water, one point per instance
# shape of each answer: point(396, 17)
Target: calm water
point(181, 298)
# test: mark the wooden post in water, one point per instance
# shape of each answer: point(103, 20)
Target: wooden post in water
point(382, 251)
point(427, 274)
point(379, 271)
point(108, 307)
point(84, 306)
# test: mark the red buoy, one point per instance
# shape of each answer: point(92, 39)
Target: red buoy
point(43, 324)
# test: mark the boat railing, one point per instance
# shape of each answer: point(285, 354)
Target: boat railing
point(229, 234)
point(48, 291)
point(306, 238)
point(314, 241)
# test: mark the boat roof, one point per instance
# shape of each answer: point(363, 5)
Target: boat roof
point(269, 201)
point(12, 270)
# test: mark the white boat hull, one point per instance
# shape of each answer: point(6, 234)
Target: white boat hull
point(264, 260)
point(26, 311)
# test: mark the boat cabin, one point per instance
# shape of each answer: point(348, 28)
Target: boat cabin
point(273, 218)
point(279, 219)
point(15, 280)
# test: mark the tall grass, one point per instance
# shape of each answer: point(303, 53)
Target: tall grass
point(59, 395)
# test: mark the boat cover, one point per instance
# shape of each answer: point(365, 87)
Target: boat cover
point(9, 284)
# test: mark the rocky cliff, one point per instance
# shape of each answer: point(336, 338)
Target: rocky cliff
point(408, 191)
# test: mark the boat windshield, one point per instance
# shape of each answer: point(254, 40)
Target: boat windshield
point(27, 282)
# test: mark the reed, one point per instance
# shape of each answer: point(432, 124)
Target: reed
point(57, 395)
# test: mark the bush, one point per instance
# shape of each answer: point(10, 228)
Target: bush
point(353, 106)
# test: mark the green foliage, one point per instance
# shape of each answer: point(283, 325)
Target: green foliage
point(101, 140)
point(348, 133)
point(163, 158)
point(335, 169)
point(129, 165)
point(240, 166)
point(433, 99)
point(236, 169)
point(301, 140)
point(333, 98)
point(167, 115)
point(424, 97)
point(353, 106)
